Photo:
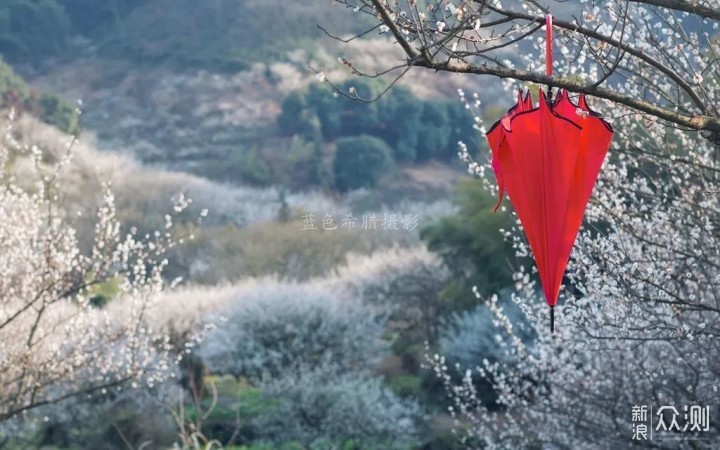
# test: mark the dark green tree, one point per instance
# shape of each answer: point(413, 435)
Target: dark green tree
point(434, 133)
point(359, 161)
point(472, 245)
point(11, 85)
point(292, 107)
point(54, 110)
point(399, 118)
point(50, 108)
point(296, 117)
point(32, 29)
point(10, 43)
point(462, 129)
point(327, 107)
point(319, 174)
point(284, 210)
point(357, 116)
point(92, 16)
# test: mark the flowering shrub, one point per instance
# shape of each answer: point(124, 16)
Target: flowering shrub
point(321, 404)
point(54, 342)
point(638, 322)
point(470, 337)
point(272, 329)
point(404, 282)
point(640, 325)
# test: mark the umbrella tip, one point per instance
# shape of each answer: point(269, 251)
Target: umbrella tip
point(552, 319)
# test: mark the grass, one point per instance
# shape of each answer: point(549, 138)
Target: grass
point(406, 385)
point(243, 402)
point(284, 249)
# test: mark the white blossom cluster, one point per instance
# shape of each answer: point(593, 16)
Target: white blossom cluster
point(272, 328)
point(386, 275)
point(318, 406)
point(56, 340)
point(640, 325)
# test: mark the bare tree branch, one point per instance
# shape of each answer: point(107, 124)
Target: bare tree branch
point(394, 29)
point(688, 7)
point(699, 122)
point(615, 43)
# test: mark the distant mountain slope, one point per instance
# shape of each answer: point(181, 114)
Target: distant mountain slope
point(196, 85)
point(222, 34)
point(187, 116)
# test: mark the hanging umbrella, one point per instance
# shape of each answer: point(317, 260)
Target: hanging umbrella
point(547, 158)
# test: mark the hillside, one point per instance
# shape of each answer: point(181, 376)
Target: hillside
point(348, 227)
point(243, 221)
point(15, 94)
point(210, 99)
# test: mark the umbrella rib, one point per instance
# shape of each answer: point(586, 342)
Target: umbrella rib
point(545, 129)
point(550, 294)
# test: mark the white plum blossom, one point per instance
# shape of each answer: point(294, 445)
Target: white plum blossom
point(639, 316)
point(57, 338)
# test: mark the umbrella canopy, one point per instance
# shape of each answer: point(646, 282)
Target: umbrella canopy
point(547, 159)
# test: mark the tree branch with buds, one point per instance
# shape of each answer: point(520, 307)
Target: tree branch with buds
point(483, 27)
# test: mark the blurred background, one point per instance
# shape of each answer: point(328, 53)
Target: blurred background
point(342, 239)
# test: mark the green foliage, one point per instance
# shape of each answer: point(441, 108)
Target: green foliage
point(226, 35)
point(268, 446)
point(295, 116)
point(409, 346)
point(358, 116)
point(326, 444)
point(55, 111)
point(448, 440)
point(95, 422)
point(415, 130)
point(319, 174)
point(252, 167)
point(104, 292)
point(244, 164)
point(50, 108)
point(435, 131)
point(462, 128)
point(32, 29)
point(305, 164)
point(406, 385)
point(359, 161)
point(12, 87)
point(284, 211)
point(401, 122)
point(90, 17)
point(471, 243)
point(328, 109)
point(244, 402)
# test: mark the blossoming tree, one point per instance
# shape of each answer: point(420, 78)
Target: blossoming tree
point(57, 339)
point(640, 324)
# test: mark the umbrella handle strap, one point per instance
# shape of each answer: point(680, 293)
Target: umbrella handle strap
point(548, 46)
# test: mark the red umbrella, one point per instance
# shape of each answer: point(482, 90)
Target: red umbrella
point(547, 158)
